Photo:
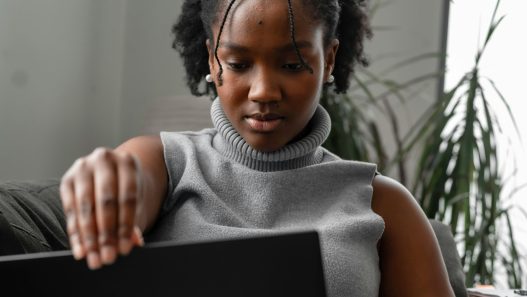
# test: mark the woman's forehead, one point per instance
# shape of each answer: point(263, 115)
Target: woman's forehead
point(299, 6)
point(257, 21)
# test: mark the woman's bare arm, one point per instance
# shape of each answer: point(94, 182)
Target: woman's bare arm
point(410, 259)
point(148, 150)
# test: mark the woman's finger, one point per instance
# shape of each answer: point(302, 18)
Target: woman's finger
point(106, 207)
point(67, 196)
point(85, 212)
point(128, 197)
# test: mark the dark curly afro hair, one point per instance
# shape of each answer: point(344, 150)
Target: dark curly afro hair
point(346, 20)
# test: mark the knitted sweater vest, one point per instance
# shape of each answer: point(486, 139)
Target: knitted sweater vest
point(221, 188)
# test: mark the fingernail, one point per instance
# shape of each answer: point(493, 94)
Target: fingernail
point(94, 262)
point(125, 245)
point(108, 255)
point(77, 252)
point(139, 236)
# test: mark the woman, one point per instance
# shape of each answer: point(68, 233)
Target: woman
point(261, 168)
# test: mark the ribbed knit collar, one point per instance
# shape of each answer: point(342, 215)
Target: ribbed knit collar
point(304, 152)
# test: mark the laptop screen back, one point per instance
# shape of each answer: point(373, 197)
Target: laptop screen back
point(279, 265)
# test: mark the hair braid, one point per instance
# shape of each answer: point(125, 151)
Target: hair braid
point(293, 37)
point(217, 45)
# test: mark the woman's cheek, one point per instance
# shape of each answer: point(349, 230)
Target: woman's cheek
point(235, 87)
point(308, 88)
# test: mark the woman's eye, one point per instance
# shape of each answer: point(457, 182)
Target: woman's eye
point(237, 66)
point(293, 67)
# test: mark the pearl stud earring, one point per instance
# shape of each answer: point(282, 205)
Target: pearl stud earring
point(331, 79)
point(208, 78)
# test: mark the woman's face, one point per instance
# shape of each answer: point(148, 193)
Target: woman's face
point(266, 93)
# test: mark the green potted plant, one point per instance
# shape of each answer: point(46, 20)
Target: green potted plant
point(457, 177)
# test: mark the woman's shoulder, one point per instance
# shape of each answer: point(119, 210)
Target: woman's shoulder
point(408, 244)
point(167, 141)
point(333, 159)
point(400, 211)
point(207, 132)
point(386, 189)
point(391, 200)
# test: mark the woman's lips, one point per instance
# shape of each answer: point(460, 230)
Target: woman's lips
point(264, 123)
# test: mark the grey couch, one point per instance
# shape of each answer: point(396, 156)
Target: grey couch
point(49, 228)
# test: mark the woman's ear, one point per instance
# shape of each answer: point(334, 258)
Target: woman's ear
point(212, 58)
point(330, 58)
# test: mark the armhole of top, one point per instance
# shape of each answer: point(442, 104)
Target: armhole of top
point(378, 245)
point(167, 201)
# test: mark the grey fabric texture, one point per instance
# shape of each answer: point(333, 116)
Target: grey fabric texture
point(451, 257)
point(301, 153)
point(213, 196)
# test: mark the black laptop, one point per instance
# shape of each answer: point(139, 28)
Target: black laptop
point(287, 264)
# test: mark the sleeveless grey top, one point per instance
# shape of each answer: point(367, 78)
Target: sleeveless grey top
point(219, 187)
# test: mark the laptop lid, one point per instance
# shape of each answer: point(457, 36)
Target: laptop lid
point(287, 264)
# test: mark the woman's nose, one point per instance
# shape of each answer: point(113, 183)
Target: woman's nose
point(265, 88)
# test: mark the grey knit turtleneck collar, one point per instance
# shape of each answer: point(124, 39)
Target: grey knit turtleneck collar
point(304, 152)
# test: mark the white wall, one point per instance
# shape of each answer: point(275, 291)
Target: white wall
point(76, 74)
point(58, 94)
point(403, 30)
point(155, 96)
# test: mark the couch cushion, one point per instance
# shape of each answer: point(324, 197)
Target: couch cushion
point(34, 212)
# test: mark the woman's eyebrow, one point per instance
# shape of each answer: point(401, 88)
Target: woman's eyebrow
point(291, 47)
point(234, 46)
point(282, 49)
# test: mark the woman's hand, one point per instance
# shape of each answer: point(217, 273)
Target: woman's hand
point(101, 197)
